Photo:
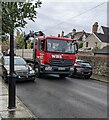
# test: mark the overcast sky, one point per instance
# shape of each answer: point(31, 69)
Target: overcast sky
point(55, 16)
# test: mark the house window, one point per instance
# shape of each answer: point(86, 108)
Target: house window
point(96, 44)
point(86, 44)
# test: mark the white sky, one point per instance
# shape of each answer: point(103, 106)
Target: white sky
point(55, 16)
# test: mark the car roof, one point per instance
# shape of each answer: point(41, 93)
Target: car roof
point(77, 60)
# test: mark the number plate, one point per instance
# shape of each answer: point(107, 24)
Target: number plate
point(61, 68)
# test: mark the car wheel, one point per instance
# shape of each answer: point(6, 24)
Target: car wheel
point(37, 71)
point(72, 74)
point(86, 77)
point(62, 75)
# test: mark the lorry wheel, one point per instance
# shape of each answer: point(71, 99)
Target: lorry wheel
point(37, 71)
point(71, 75)
point(62, 75)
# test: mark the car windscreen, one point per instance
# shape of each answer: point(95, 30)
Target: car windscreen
point(17, 61)
point(82, 62)
point(60, 46)
point(85, 64)
point(79, 62)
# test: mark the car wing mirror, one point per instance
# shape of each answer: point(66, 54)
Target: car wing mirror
point(30, 64)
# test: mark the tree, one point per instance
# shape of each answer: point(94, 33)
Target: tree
point(95, 49)
point(5, 41)
point(14, 14)
point(19, 40)
point(80, 45)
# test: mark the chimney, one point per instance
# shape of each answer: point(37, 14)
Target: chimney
point(58, 35)
point(62, 34)
point(73, 31)
point(95, 27)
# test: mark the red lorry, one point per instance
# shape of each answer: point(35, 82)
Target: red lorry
point(51, 55)
point(54, 55)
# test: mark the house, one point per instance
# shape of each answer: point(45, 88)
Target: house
point(96, 40)
point(103, 30)
point(99, 37)
point(80, 36)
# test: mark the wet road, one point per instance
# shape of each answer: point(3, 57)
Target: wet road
point(52, 97)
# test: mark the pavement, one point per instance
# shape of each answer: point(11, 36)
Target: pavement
point(20, 113)
point(100, 78)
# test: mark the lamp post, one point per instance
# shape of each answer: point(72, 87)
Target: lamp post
point(12, 81)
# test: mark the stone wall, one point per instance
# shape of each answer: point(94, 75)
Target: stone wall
point(100, 64)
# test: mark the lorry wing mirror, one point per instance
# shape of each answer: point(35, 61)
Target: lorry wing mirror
point(76, 47)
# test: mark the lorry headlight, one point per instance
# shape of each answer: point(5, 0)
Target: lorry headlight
point(71, 69)
point(48, 68)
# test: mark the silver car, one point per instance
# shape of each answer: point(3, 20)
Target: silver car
point(82, 69)
point(22, 70)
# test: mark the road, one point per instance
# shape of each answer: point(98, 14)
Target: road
point(52, 97)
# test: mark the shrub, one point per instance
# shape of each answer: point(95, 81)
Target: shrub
point(80, 44)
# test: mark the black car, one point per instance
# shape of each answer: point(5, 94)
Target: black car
point(82, 69)
point(22, 70)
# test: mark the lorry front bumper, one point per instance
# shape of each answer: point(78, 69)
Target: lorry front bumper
point(57, 69)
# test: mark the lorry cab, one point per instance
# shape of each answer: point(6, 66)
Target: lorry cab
point(54, 55)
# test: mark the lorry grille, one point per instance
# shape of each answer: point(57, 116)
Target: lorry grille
point(61, 62)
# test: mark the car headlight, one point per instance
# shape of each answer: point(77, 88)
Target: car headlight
point(31, 71)
point(8, 72)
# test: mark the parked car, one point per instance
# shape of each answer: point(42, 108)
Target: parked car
point(82, 69)
point(22, 70)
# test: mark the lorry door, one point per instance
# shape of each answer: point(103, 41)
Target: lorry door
point(40, 51)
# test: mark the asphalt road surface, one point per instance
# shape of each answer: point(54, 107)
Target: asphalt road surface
point(52, 97)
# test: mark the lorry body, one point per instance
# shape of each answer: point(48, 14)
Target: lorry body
point(53, 55)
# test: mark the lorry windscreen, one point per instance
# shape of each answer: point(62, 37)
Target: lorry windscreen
point(60, 46)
